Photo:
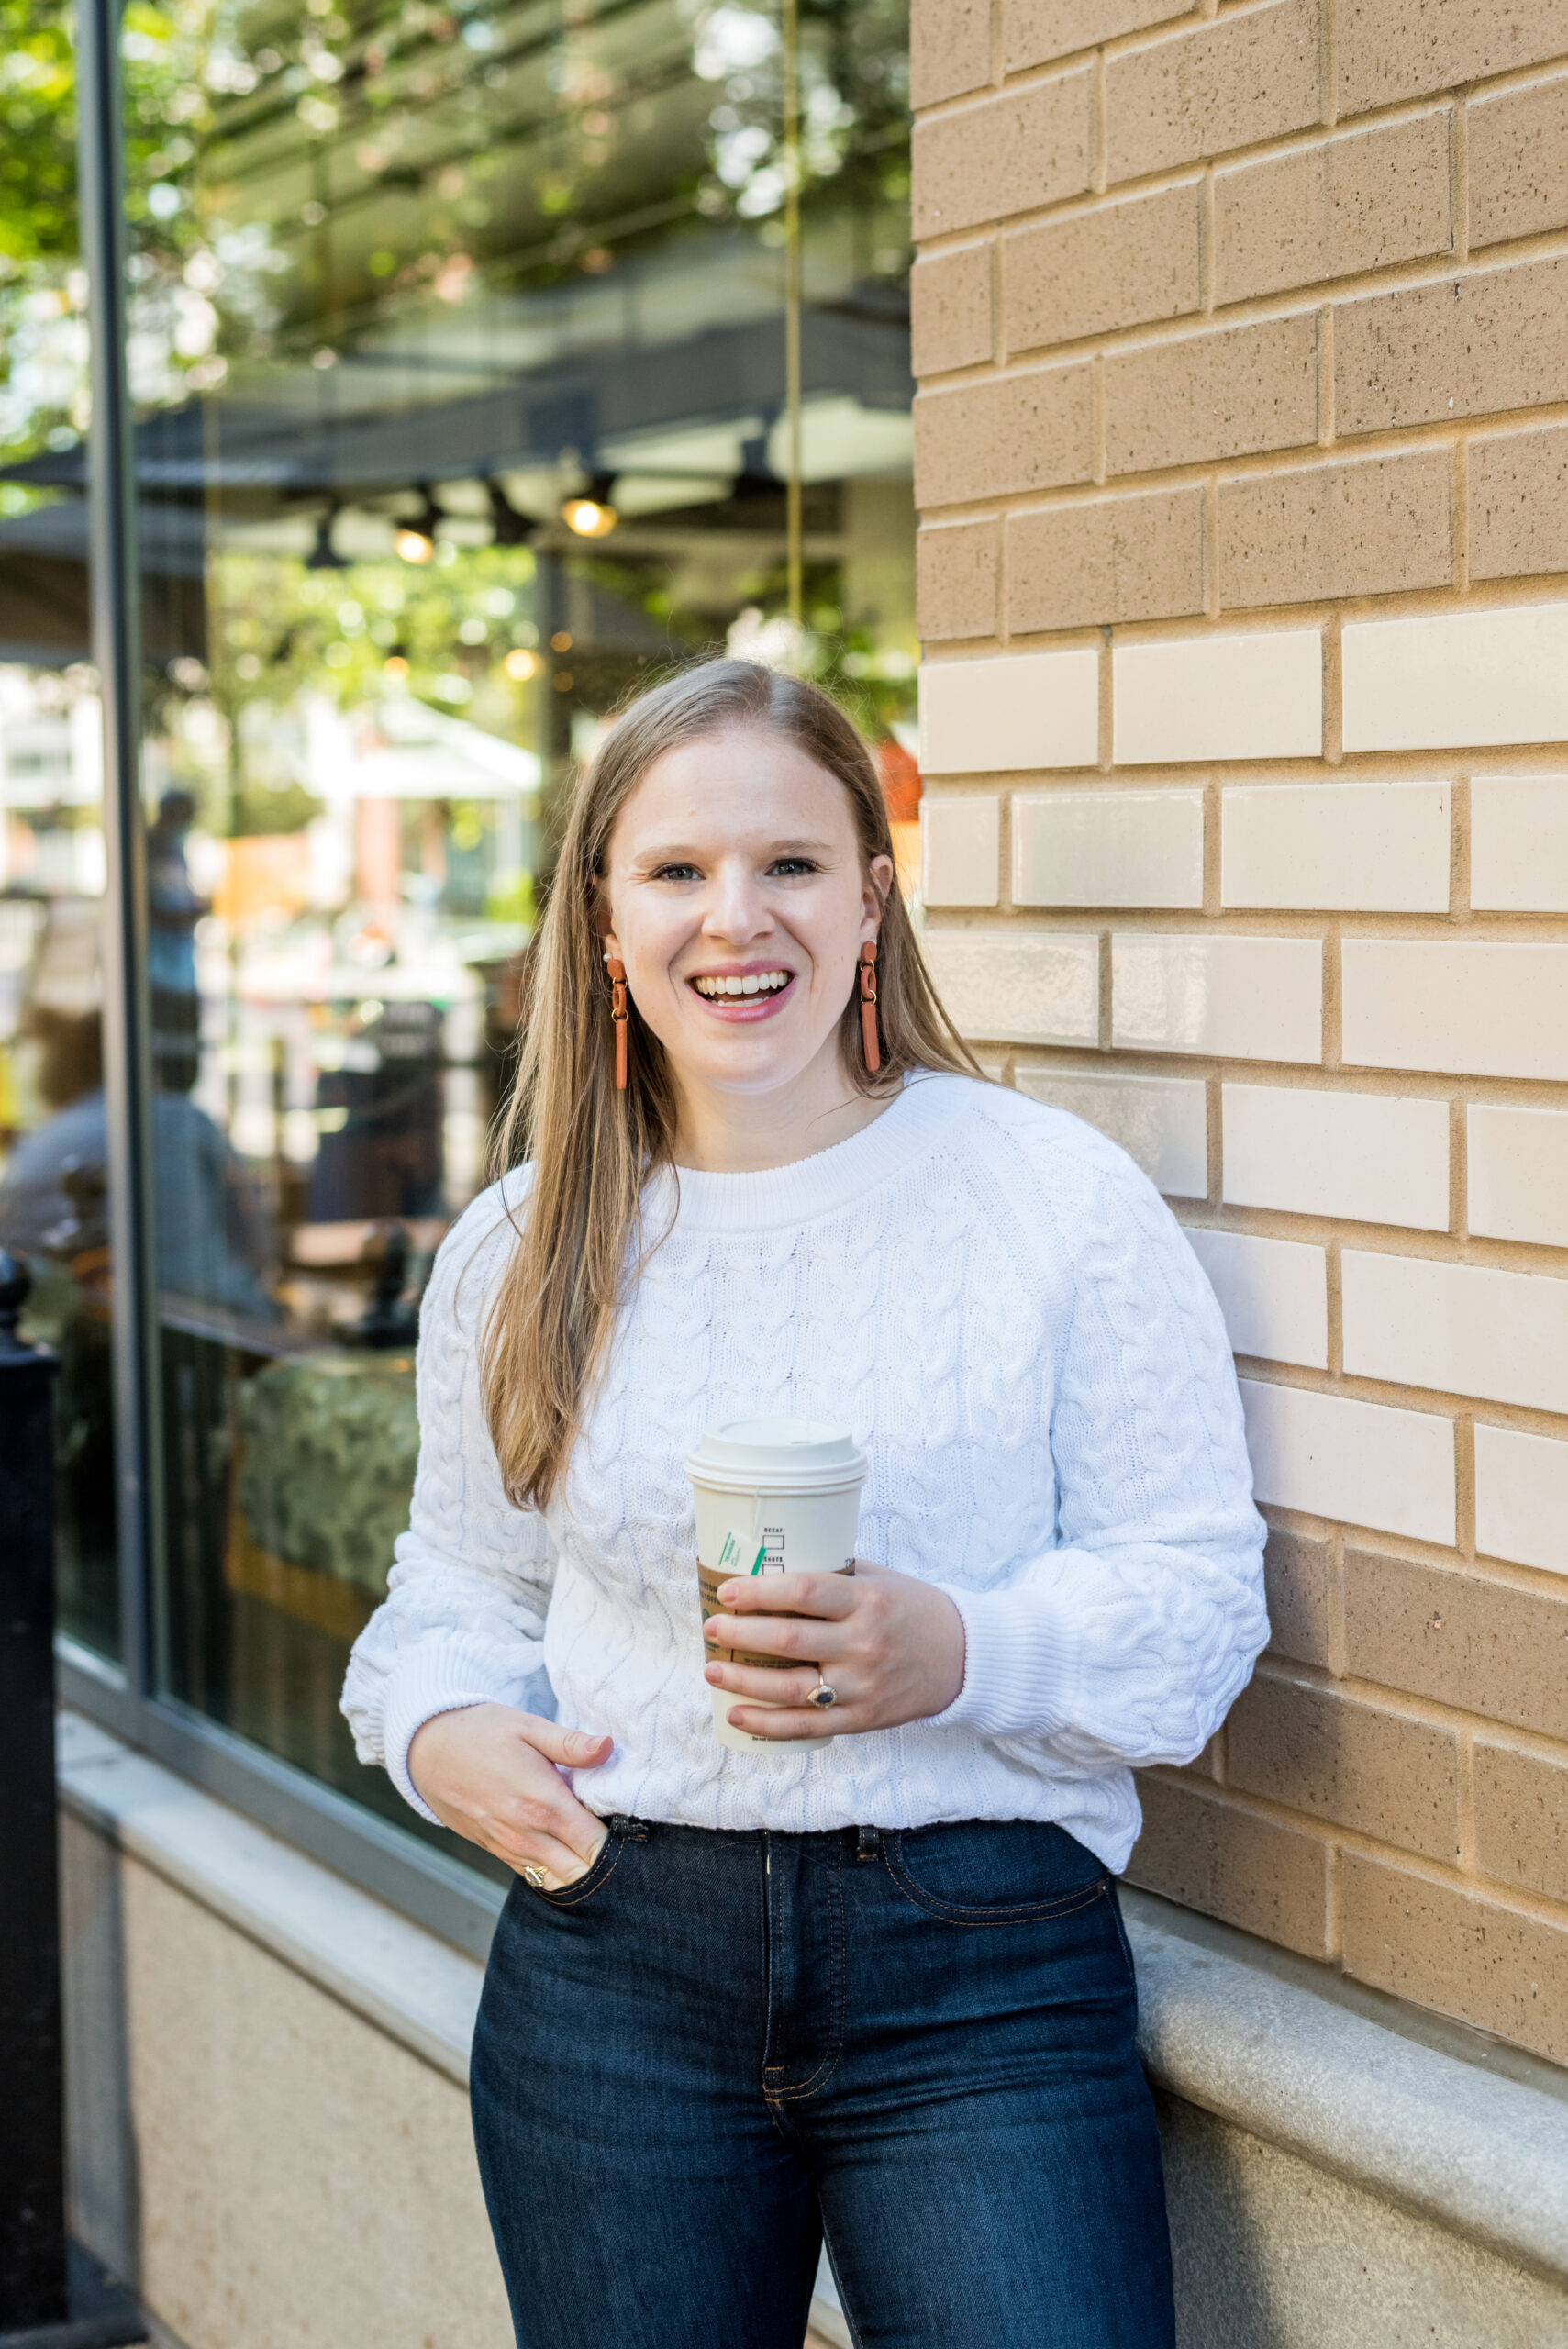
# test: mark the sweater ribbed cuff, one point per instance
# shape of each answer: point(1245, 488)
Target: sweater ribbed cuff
point(1021, 1663)
point(432, 1678)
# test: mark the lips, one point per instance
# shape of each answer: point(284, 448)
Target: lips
point(739, 996)
point(749, 982)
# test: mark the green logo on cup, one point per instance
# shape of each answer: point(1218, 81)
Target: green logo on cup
point(733, 1555)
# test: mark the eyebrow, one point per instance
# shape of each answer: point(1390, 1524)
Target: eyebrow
point(679, 852)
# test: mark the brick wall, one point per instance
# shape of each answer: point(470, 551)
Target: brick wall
point(1242, 456)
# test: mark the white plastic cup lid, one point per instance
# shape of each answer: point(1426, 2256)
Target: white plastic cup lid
point(777, 1456)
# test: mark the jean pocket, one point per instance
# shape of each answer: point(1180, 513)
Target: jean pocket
point(994, 1872)
point(582, 1888)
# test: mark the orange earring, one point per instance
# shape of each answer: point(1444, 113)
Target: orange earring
point(868, 1005)
point(617, 1016)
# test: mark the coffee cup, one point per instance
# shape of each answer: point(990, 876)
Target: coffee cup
point(773, 1497)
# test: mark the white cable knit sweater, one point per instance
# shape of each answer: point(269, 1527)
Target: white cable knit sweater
point(1005, 1313)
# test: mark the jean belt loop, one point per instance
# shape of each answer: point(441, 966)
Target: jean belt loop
point(870, 1844)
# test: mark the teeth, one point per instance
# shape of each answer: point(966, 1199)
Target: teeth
point(753, 983)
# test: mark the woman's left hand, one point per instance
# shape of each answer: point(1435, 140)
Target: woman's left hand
point(890, 1645)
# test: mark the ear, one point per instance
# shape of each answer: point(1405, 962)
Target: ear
point(603, 922)
point(873, 897)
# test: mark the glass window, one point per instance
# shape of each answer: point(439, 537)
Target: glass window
point(460, 346)
point(53, 1130)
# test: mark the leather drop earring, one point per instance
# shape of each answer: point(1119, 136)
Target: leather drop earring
point(868, 1005)
point(618, 1015)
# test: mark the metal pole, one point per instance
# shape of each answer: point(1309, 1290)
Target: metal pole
point(52, 2296)
point(794, 552)
point(116, 651)
point(34, 2288)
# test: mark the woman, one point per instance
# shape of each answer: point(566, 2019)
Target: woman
point(877, 1991)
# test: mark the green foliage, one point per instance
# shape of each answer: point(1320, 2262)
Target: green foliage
point(162, 54)
point(38, 132)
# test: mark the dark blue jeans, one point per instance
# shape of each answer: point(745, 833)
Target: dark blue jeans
point(717, 2049)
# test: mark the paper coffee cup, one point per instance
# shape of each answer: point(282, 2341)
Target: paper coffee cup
point(773, 1497)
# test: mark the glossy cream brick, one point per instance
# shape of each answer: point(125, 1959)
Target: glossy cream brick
point(1364, 1463)
point(1254, 697)
point(1161, 1121)
point(1521, 1498)
point(1449, 679)
point(1517, 1183)
point(1017, 988)
point(1463, 1328)
point(1483, 1010)
point(1251, 999)
point(1024, 709)
point(1377, 847)
point(1107, 848)
point(1518, 843)
point(1362, 1156)
point(960, 850)
point(1272, 1293)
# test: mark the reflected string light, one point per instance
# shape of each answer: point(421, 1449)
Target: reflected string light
point(592, 515)
point(416, 540)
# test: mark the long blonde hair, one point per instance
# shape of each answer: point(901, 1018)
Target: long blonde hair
point(593, 1148)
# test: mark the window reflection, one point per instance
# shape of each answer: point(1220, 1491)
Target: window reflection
point(459, 341)
point(53, 1135)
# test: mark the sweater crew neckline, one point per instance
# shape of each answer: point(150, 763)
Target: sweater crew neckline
point(779, 1196)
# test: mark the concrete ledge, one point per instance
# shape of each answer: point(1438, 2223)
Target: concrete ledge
point(1483, 2156)
point(417, 1989)
point(1465, 2138)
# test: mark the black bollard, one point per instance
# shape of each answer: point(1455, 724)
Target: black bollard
point(51, 2295)
point(34, 2286)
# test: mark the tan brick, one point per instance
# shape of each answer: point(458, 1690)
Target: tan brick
point(1298, 1576)
point(1225, 395)
point(1034, 31)
point(1111, 559)
point(1469, 345)
point(955, 572)
point(1018, 432)
point(1003, 155)
point(1348, 1762)
point(1116, 267)
point(1386, 50)
point(1233, 1864)
point(1518, 162)
point(950, 48)
point(1359, 529)
point(1521, 1817)
point(1457, 1951)
point(1333, 209)
point(1483, 1646)
point(951, 310)
point(1249, 77)
point(1519, 503)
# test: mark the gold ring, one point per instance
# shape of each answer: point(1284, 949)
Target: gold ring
point(534, 1876)
point(821, 1697)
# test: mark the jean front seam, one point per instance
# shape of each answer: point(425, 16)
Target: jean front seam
point(838, 1997)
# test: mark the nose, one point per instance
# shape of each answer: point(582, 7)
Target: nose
point(737, 912)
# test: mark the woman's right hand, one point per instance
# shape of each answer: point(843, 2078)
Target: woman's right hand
point(490, 1773)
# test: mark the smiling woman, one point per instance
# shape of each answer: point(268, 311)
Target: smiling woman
point(758, 927)
point(712, 2035)
point(730, 818)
